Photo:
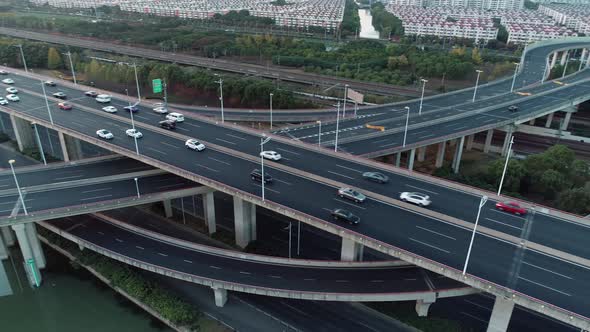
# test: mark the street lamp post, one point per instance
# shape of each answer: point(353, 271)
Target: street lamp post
point(482, 202)
point(221, 97)
point(69, 54)
point(319, 134)
point(337, 127)
point(22, 54)
point(514, 76)
point(165, 86)
point(407, 122)
point(298, 236)
point(20, 194)
point(136, 82)
point(47, 103)
point(263, 140)
point(345, 98)
point(39, 143)
point(506, 165)
point(476, 84)
point(131, 108)
point(422, 97)
point(271, 111)
point(137, 187)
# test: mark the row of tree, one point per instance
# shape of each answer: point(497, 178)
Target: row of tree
point(385, 22)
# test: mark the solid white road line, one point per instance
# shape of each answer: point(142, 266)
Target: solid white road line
point(170, 145)
point(544, 286)
point(140, 248)
point(96, 197)
point(504, 224)
point(437, 233)
point(207, 168)
point(422, 189)
point(234, 136)
point(284, 150)
point(350, 204)
point(345, 176)
point(95, 190)
point(220, 161)
point(544, 269)
point(350, 169)
point(430, 245)
point(228, 142)
point(158, 151)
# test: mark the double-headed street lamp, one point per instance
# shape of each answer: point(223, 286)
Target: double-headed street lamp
point(131, 109)
point(263, 140)
point(337, 127)
point(39, 143)
point(271, 111)
point(47, 102)
point(482, 202)
point(345, 99)
point(20, 194)
point(22, 54)
point(69, 54)
point(506, 165)
point(476, 84)
point(221, 96)
point(514, 76)
point(422, 97)
point(407, 122)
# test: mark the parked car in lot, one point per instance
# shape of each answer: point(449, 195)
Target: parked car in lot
point(345, 215)
point(160, 110)
point(103, 133)
point(256, 175)
point(49, 83)
point(376, 177)
point(8, 81)
point(513, 108)
point(3, 101)
point(351, 194)
point(193, 144)
point(12, 97)
point(175, 117)
point(167, 124)
point(110, 109)
point(271, 155)
point(133, 133)
point(11, 90)
point(92, 94)
point(64, 106)
point(511, 207)
point(60, 95)
point(415, 198)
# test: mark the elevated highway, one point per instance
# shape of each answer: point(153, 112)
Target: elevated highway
point(435, 239)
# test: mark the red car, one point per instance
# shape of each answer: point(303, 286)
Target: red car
point(511, 207)
point(64, 106)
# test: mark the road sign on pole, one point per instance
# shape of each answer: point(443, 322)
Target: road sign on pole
point(157, 85)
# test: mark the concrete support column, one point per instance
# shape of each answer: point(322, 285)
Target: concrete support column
point(488, 143)
point(549, 120)
point(168, 208)
point(411, 157)
point(500, 315)
point(71, 147)
point(469, 143)
point(587, 61)
point(422, 153)
point(509, 131)
point(220, 296)
point(583, 57)
point(31, 229)
point(3, 250)
point(553, 60)
point(440, 154)
point(422, 307)
point(209, 212)
point(458, 155)
point(398, 159)
point(25, 135)
point(27, 252)
point(244, 222)
point(8, 236)
point(532, 122)
point(566, 121)
point(563, 58)
point(351, 251)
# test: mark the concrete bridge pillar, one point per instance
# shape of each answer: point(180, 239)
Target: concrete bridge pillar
point(168, 208)
point(469, 143)
point(25, 135)
point(351, 251)
point(8, 236)
point(583, 58)
point(563, 57)
point(209, 212)
point(566, 121)
point(587, 61)
point(509, 131)
point(398, 159)
point(458, 155)
point(244, 222)
point(411, 157)
point(440, 154)
point(422, 153)
point(3, 250)
point(500, 315)
point(488, 143)
point(553, 60)
point(549, 120)
point(532, 122)
point(220, 296)
point(31, 229)
point(422, 307)
point(71, 147)
point(32, 267)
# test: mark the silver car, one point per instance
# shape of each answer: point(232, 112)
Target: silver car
point(415, 198)
point(351, 194)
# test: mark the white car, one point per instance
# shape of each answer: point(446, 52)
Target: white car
point(103, 99)
point(103, 133)
point(271, 155)
point(3, 72)
point(12, 90)
point(194, 144)
point(3, 101)
point(12, 97)
point(177, 117)
point(8, 81)
point(110, 109)
point(415, 198)
point(134, 133)
point(160, 110)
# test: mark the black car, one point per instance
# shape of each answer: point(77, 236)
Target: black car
point(256, 175)
point(60, 95)
point(345, 215)
point(513, 108)
point(167, 124)
point(131, 109)
point(376, 177)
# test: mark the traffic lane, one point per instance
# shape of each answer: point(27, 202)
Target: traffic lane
point(564, 284)
point(204, 264)
point(8, 204)
point(69, 197)
point(560, 233)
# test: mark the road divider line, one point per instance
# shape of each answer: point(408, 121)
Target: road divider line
point(437, 233)
point(430, 245)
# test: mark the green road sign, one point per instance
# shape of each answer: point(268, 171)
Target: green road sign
point(157, 85)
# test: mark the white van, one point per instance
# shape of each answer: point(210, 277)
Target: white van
point(177, 117)
point(103, 98)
